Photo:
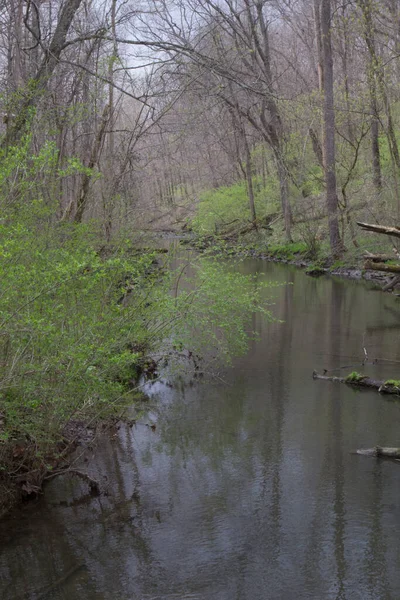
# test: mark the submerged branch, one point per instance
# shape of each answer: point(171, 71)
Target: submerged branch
point(380, 451)
point(93, 483)
point(384, 387)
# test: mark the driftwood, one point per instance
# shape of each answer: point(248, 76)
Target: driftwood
point(380, 451)
point(377, 262)
point(377, 266)
point(394, 231)
point(391, 284)
point(379, 257)
point(363, 382)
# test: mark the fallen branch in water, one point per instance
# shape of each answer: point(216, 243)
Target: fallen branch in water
point(391, 284)
point(357, 380)
point(61, 581)
point(93, 483)
point(380, 451)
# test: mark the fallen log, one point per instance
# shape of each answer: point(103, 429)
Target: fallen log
point(377, 266)
point(391, 284)
point(394, 231)
point(380, 451)
point(379, 257)
point(357, 380)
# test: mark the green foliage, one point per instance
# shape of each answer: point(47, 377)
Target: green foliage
point(287, 251)
point(315, 269)
point(77, 327)
point(64, 338)
point(354, 377)
point(218, 308)
point(393, 383)
point(230, 205)
point(338, 264)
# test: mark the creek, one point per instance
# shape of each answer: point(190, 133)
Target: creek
point(248, 488)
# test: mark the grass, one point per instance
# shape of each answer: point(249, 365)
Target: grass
point(287, 251)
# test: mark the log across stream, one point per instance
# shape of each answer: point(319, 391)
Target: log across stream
point(361, 381)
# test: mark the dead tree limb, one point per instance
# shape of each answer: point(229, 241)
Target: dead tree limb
point(378, 257)
point(360, 381)
point(391, 284)
point(377, 266)
point(380, 451)
point(394, 231)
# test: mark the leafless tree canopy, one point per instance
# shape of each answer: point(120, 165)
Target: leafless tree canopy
point(162, 100)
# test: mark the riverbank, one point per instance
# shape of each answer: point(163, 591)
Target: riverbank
point(351, 266)
point(28, 471)
point(119, 329)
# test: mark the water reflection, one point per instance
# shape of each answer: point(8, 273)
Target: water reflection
point(246, 490)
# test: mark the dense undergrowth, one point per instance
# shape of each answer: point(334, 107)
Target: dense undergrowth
point(223, 214)
point(222, 222)
point(81, 319)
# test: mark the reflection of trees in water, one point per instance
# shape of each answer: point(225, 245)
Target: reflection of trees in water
point(330, 503)
point(46, 564)
point(213, 501)
point(106, 536)
point(375, 561)
point(279, 394)
point(336, 442)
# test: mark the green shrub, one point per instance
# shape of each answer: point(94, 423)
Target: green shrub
point(77, 325)
point(230, 205)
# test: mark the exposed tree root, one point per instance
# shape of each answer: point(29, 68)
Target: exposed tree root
point(94, 485)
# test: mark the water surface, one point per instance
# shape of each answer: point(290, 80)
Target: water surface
point(248, 488)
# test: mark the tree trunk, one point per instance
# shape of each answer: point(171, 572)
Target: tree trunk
point(273, 125)
point(318, 41)
point(376, 73)
point(40, 80)
point(329, 131)
point(284, 191)
point(93, 160)
point(249, 180)
point(316, 147)
point(246, 170)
